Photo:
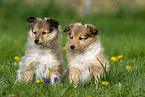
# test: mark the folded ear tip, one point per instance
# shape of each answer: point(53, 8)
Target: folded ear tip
point(92, 29)
point(68, 27)
point(31, 18)
point(53, 22)
point(97, 31)
point(65, 30)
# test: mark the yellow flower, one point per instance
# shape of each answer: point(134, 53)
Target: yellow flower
point(132, 61)
point(88, 96)
point(38, 81)
point(114, 59)
point(16, 58)
point(108, 61)
point(129, 68)
point(119, 56)
point(105, 83)
point(64, 48)
point(16, 42)
point(122, 70)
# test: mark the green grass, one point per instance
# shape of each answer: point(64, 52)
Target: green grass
point(122, 33)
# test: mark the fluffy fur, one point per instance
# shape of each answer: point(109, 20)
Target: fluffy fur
point(43, 55)
point(82, 59)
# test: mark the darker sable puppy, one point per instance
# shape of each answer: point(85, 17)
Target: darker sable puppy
point(43, 51)
point(83, 49)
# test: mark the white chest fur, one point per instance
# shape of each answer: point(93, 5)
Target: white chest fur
point(40, 59)
point(84, 60)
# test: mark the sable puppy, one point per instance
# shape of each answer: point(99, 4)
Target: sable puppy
point(83, 49)
point(43, 51)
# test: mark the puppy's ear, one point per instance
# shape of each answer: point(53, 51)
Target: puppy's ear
point(68, 28)
point(91, 30)
point(53, 23)
point(31, 20)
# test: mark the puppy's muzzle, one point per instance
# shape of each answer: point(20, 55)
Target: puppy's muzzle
point(72, 47)
point(36, 41)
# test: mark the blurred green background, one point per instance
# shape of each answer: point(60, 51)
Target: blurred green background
point(121, 23)
point(122, 31)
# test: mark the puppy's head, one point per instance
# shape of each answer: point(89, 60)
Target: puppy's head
point(80, 36)
point(42, 31)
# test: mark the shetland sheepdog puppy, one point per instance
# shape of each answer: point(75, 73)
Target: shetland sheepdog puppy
point(84, 53)
point(43, 51)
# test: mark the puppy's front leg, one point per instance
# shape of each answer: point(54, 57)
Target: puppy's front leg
point(28, 75)
point(25, 75)
point(74, 76)
point(55, 73)
point(96, 71)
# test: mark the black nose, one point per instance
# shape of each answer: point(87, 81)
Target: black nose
point(72, 47)
point(36, 40)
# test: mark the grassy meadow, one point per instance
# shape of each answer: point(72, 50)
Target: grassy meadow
point(122, 35)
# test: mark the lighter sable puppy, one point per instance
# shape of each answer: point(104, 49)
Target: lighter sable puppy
point(43, 51)
point(83, 49)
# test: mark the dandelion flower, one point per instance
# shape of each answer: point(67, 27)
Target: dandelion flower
point(38, 81)
point(132, 61)
point(129, 68)
point(16, 58)
point(64, 48)
point(56, 79)
point(119, 56)
point(108, 61)
point(114, 59)
point(105, 83)
point(122, 70)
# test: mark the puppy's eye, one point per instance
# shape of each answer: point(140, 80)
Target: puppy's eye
point(34, 32)
point(81, 38)
point(43, 33)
